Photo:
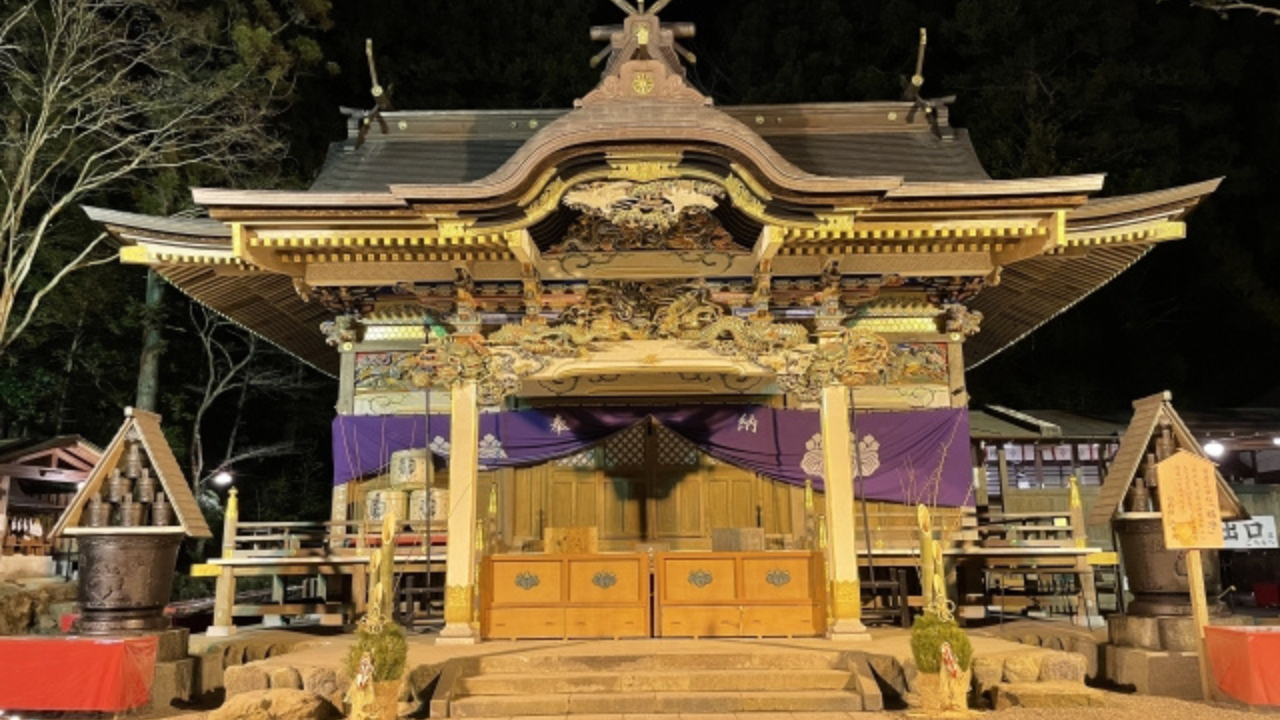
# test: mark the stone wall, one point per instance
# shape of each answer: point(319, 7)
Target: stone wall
point(33, 605)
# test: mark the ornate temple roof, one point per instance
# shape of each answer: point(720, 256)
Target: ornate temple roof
point(880, 196)
point(829, 139)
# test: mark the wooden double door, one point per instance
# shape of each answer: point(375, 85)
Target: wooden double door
point(647, 484)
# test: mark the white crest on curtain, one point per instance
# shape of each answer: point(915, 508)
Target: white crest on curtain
point(439, 446)
point(866, 454)
point(559, 426)
point(491, 448)
point(748, 423)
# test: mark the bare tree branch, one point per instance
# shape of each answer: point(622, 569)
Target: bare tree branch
point(98, 91)
point(1226, 6)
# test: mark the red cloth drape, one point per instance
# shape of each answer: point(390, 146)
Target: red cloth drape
point(1246, 662)
point(76, 673)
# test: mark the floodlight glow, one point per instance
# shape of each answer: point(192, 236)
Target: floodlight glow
point(1214, 449)
point(1276, 441)
point(222, 479)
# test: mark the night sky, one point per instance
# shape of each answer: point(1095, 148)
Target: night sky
point(1152, 94)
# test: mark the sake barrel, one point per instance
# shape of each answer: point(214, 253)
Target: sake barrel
point(410, 467)
point(380, 502)
point(430, 504)
point(419, 505)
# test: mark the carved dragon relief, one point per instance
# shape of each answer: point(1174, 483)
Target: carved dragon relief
point(657, 310)
point(950, 295)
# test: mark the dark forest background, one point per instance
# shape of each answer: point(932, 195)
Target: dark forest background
point(1152, 94)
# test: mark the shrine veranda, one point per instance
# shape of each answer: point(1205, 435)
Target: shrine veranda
point(659, 351)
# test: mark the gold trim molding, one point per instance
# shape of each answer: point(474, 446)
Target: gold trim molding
point(457, 604)
point(846, 600)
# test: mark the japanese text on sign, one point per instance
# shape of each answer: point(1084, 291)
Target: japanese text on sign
point(1189, 502)
point(1256, 533)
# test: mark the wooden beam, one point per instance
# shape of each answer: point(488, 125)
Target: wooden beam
point(29, 472)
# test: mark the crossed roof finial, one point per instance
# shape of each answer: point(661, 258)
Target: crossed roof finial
point(643, 35)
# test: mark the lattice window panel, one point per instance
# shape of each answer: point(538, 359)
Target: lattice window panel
point(626, 448)
point(585, 460)
point(674, 450)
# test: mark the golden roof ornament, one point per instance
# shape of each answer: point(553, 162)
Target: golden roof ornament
point(643, 57)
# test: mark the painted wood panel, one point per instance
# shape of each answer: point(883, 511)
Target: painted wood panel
point(565, 596)
point(535, 581)
point(781, 579)
point(744, 594)
point(701, 579)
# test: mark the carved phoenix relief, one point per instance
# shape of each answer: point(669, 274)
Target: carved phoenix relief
point(669, 214)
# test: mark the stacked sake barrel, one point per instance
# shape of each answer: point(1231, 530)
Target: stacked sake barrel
point(411, 493)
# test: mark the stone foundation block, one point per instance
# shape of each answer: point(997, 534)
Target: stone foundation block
point(1168, 674)
point(987, 673)
point(172, 681)
point(1062, 666)
point(240, 679)
point(284, 678)
point(1022, 667)
point(1132, 631)
point(208, 672)
point(172, 644)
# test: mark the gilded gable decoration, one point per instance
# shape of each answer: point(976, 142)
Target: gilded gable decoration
point(854, 358)
point(655, 205)
point(343, 331)
point(626, 216)
point(956, 318)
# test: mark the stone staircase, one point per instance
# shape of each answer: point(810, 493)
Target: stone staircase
point(753, 680)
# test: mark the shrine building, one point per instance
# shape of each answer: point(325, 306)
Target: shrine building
point(649, 363)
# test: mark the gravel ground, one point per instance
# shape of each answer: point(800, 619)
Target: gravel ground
point(1122, 706)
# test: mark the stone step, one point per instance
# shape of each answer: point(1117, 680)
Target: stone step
point(540, 664)
point(631, 681)
point(668, 703)
point(1053, 694)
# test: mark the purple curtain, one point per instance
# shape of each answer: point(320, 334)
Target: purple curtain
point(908, 457)
point(362, 444)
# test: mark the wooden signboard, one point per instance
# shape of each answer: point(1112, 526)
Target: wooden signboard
point(1189, 503)
point(1192, 522)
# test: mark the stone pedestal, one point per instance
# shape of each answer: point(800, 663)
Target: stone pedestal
point(1157, 655)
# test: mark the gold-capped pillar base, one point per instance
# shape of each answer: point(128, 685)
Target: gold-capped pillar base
point(457, 617)
point(848, 631)
point(846, 612)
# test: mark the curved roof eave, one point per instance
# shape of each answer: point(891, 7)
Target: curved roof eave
point(1034, 291)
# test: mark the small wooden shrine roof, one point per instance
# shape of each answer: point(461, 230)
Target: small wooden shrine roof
point(64, 458)
point(169, 477)
point(1149, 414)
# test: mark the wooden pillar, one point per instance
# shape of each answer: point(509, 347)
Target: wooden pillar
point(1087, 610)
point(346, 404)
point(338, 513)
point(980, 475)
point(223, 603)
point(837, 456)
point(1002, 467)
point(464, 442)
